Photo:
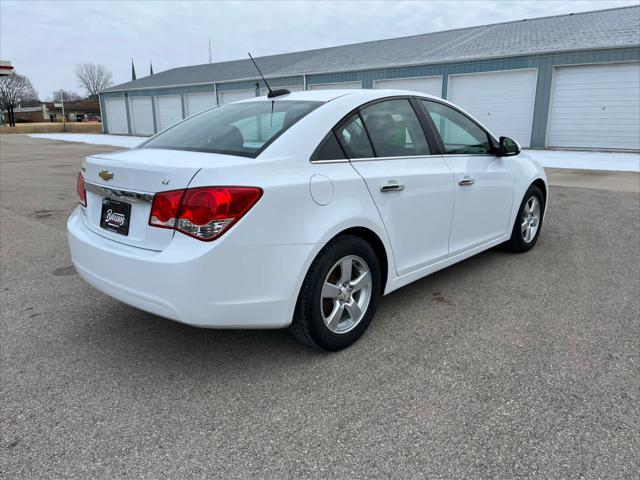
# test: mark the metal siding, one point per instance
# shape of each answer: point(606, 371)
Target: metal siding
point(543, 89)
point(428, 85)
point(336, 85)
point(240, 85)
point(445, 85)
point(154, 112)
point(229, 96)
point(284, 82)
point(103, 116)
point(543, 62)
point(291, 88)
point(126, 106)
point(325, 78)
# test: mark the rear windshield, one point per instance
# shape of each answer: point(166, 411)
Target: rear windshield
point(243, 129)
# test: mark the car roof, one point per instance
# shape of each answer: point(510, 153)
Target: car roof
point(362, 95)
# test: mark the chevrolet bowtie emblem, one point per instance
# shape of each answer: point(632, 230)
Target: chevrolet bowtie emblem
point(106, 175)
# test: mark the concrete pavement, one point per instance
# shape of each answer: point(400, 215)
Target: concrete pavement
point(502, 366)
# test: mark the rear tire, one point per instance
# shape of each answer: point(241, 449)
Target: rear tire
point(339, 295)
point(528, 224)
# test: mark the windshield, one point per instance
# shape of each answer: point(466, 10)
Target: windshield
point(243, 129)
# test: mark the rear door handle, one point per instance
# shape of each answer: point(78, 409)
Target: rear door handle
point(466, 180)
point(392, 186)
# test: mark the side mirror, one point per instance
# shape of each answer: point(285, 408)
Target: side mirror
point(509, 147)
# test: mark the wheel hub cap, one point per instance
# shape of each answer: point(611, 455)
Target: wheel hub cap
point(345, 294)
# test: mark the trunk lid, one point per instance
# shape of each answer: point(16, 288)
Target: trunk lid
point(120, 188)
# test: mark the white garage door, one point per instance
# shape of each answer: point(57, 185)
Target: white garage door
point(596, 106)
point(294, 88)
point(428, 85)
point(235, 95)
point(502, 101)
point(116, 111)
point(141, 115)
point(197, 102)
point(335, 86)
point(168, 110)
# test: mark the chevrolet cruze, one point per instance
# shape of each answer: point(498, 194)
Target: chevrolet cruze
point(300, 210)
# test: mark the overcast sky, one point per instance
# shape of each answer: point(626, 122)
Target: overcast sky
point(46, 40)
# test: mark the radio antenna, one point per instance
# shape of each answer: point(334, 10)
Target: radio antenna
point(272, 93)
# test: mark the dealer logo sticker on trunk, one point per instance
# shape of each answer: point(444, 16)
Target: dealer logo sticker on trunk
point(115, 216)
point(115, 219)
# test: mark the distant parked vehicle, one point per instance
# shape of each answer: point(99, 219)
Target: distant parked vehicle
point(300, 210)
point(92, 118)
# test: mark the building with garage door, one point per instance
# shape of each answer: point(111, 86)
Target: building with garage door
point(569, 81)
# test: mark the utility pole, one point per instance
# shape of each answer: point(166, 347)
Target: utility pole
point(62, 102)
point(209, 50)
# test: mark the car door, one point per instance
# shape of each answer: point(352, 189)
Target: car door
point(411, 187)
point(483, 182)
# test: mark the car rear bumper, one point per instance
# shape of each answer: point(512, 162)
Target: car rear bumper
point(217, 285)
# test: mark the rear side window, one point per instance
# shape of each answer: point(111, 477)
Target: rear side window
point(394, 129)
point(460, 134)
point(330, 149)
point(354, 139)
point(243, 129)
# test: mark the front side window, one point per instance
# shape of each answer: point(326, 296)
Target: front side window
point(460, 134)
point(243, 129)
point(394, 129)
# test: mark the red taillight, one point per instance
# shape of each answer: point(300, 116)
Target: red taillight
point(164, 210)
point(203, 212)
point(82, 193)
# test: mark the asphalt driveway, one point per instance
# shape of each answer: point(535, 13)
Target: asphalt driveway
point(501, 366)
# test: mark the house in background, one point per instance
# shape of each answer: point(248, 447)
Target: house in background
point(29, 114)
point(78, 111)
point(569, 81)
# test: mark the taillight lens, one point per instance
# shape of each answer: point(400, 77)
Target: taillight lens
point(82, 192)
point(203, 212)
point(164, 210)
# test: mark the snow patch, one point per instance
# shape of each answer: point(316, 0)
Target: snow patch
point(616, 161)
point(572, 159)
point(125, 141)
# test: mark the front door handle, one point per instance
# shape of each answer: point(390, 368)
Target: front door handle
point(466, 180)
point(392, 187)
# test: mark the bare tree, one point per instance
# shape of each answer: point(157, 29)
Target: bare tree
point(15, 89)
point(67, 96)
point(93, 77)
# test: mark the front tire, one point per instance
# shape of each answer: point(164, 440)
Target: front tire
point(528, 224)
point(339, 295)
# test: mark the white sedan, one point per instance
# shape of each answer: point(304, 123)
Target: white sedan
point(300, 210)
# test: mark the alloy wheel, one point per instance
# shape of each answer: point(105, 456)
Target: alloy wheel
point(346, 293)
point(530, 219)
